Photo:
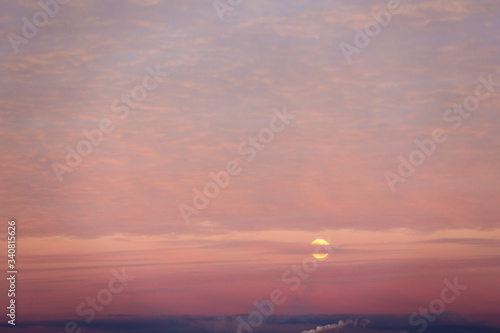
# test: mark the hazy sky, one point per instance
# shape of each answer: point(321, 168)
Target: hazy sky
point(321, 176)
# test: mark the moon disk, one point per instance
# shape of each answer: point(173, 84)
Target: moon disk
point(321, 254)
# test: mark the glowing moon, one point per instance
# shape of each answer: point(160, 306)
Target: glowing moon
point(320, 242)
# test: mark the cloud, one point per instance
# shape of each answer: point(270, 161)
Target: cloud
point(280, 324)
point(145, 2)
point(338, 326)
point(464, 241)
point(353, 121)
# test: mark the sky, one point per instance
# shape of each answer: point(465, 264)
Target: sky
point(201, 146)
